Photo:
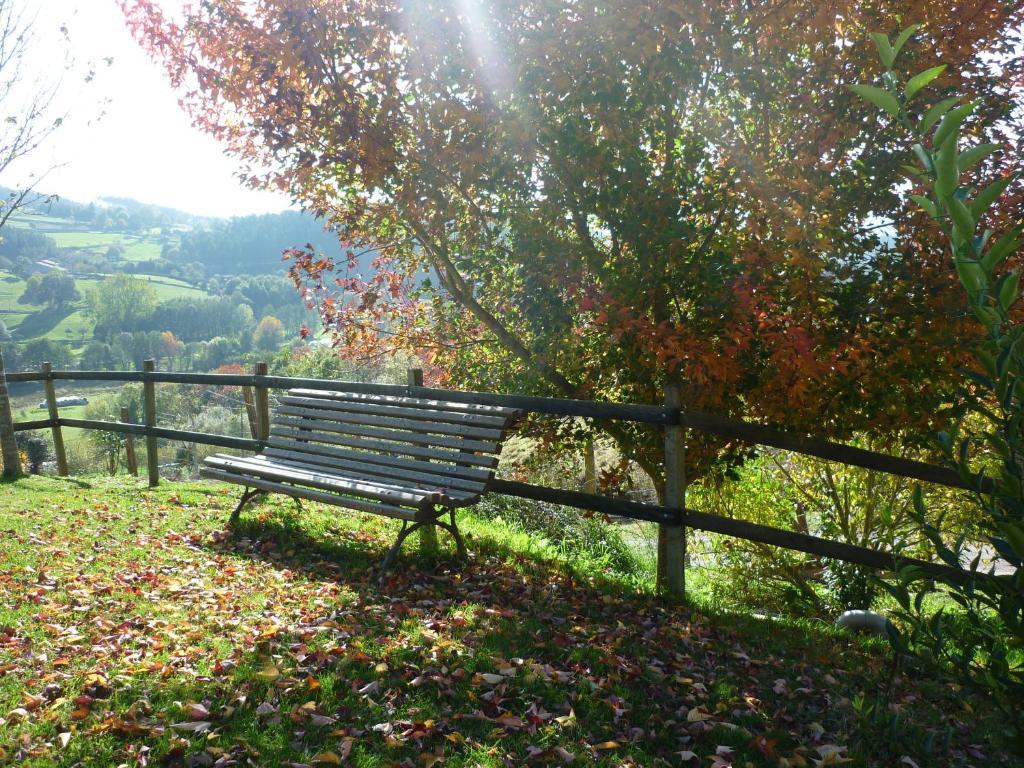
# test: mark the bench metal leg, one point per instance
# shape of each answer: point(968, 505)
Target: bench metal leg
point(392, 555)
point(249, 495)
point(407, 529)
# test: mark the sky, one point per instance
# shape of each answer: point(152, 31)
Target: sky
point(125, 134)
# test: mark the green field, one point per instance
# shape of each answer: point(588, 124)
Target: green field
point(77, 237)
point(11, 312)
point(86, 239)
point(141, 250)
point(26, 322)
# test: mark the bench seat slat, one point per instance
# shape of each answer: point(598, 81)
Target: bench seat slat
point(410, 402)
point(448, 496)
point(293, 415)
point(306, 431)
point(446, 468)
point(378, 473)
point(432, 415)
point(360, 505)
point(326, 481)
point(324, 409)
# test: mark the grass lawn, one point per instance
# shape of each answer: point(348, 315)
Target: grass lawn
point(86, 239)
point(141, 250)
point(134, 630)
point(11, 312)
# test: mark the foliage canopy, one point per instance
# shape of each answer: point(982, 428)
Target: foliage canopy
point(587, 198)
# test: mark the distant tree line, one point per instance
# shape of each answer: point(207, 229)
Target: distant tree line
point(21, 248)
point(253, 244)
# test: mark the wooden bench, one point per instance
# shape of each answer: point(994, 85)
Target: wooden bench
point(409, 458)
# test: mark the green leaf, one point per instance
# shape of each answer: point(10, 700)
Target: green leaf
point(1009, 290)
point(1002, 248)
point(902, 38)
point(971, 157)
point(986, 315)
point(980, 241)
point(880, 98)
point(921, 79)
point(946, 176)
point(931, 117)
point(924, 158)
point(1014, 534)
point(971, 275)
point(885, 51)
point(926, 205)
point(951, 123)
point(987, 361)
point(962, 218)
point(988, 195)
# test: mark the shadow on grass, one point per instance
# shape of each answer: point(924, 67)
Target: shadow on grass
point(42, 322)
point(68, 480)
point(501, 660)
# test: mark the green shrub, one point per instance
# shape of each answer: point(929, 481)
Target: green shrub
point(838, 502)
point(579, 538)
point(984, 645)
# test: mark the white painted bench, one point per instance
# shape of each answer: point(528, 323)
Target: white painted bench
point(408, 458)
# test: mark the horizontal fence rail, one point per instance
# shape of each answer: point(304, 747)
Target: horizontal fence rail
point(668, 417)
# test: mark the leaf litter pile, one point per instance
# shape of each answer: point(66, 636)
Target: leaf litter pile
point(134, 630)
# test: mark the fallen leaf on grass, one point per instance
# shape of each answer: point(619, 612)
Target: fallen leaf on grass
point(199, 726)
point(327, 758)
point(490, 678)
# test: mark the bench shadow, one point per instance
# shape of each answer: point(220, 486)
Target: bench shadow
point(354, 557)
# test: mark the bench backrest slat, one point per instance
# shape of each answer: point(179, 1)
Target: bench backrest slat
point(410, 402)
point(442, 468)
point(445, 415)
point(326, 413)
point(378, 472)
point(383, 446)
point(311, 422)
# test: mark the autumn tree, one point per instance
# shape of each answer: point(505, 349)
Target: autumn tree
point(269, 334)
point(170, 347)
point(587, 199)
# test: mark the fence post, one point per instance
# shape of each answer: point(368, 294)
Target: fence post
point(8, 446)
point(672, 538)
point(428, 533)
point(149, 401)
point(58, 434)
point(250, 412)
point(129, 446)
point(589, 467)
point(262, 405)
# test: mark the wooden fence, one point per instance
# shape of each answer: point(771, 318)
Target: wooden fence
point(673, 517)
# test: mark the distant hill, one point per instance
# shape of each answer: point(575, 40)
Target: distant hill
point(254, 244)
point(120, 234)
